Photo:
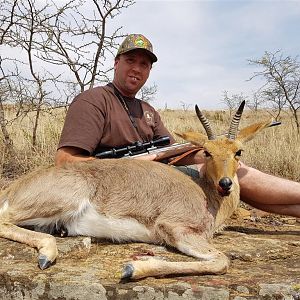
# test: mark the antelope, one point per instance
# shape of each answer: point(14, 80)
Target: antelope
point(134, 200)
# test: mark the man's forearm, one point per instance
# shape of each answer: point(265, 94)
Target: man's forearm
point(69, 154)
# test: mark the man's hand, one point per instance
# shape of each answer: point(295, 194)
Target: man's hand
point(146, 157)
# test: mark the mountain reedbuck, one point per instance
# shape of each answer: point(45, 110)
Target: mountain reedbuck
point(133, 200)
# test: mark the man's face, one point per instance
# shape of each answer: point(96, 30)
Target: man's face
point(131, 71)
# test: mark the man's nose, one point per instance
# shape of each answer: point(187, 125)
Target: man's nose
point(136, 68)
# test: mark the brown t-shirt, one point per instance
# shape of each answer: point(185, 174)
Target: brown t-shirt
point(96, 120)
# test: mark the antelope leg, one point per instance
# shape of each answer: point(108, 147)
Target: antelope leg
point(45, 243)
point(210, 260)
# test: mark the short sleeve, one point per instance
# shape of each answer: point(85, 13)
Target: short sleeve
point(83, 127)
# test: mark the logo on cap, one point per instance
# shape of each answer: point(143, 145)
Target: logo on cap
point(140, 43)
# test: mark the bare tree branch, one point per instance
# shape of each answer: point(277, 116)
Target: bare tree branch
point(62, 48)
point(282, 79)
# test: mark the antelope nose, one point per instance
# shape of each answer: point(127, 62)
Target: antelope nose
point(225, 183)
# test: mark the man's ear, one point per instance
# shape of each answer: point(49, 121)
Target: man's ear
point(249, 132)
point(196, 138)
point(117, 59)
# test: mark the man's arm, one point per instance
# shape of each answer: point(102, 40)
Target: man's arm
point(74, 154)
point(71, 154)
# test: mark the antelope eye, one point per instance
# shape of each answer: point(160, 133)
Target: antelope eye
point(207, 154)
point(238, 153)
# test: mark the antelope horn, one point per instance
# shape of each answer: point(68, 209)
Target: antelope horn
point(235, 122)
point(205, 124)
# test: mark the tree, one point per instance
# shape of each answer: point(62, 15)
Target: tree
point(232, 102)
point(255, 103)
point(147, 93)
point(63, 47)
point(185, 106)
point(5, 90)
point(282, 81)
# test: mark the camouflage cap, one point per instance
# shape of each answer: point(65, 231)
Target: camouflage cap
point(137, 41)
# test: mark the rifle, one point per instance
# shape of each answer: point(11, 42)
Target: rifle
point(153, 147)
point(157, 147)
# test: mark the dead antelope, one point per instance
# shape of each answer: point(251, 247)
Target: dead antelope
point(133, 200)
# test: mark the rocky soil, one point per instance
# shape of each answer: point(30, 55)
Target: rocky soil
point(264, 249)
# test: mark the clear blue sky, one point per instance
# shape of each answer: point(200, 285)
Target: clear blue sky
point(203, 46)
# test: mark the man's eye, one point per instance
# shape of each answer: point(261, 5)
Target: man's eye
point(238, 153)
point(146, 64)
point(207, 154)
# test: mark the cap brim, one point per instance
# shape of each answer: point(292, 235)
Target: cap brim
point(152, 56)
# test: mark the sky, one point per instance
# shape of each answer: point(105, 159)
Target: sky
point(203, 47)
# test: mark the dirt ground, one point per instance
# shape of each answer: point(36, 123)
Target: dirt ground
point(265, 264)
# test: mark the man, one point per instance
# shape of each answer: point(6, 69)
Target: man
point(111, 116)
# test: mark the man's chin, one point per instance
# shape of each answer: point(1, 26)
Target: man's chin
point(133, 89)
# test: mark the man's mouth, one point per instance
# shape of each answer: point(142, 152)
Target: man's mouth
point(133, 78)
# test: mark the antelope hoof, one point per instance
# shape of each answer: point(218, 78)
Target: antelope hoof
point(44, 262)
point(127, 272)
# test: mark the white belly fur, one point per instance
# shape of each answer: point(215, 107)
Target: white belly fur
point(87, 221)
point(91, 223)
point(4, 208)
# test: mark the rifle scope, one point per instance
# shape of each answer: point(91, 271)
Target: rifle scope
point(134, 149)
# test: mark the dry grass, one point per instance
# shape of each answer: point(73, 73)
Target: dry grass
point(28, 158)
point(275, 151)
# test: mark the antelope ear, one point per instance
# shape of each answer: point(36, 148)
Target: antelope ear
point(249, 132)
point(195, 138)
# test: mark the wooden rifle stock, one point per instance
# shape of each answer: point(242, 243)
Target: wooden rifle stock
point(169, 151)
